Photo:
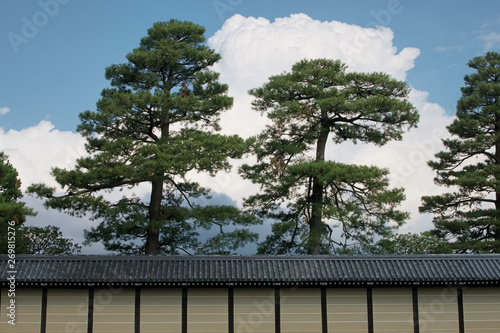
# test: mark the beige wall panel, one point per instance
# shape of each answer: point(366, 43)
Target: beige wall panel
point(481, 309)
point(254, 310)
point(207, 310)
point(392, 310)
point(438, 310)
point(67, 310)
point(161, 310)
point(28, 311)
point(114, 310)
point(300, 310)
point(347, 310)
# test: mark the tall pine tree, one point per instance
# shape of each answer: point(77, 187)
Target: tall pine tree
point(323, 206)
point(157, 123)
point(469, 216)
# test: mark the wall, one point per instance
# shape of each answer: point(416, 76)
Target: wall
point(246, 310)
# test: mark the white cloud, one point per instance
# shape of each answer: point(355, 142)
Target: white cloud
point(443, 49)
point(491, 40)
point(4, 110)
point(34, 151)
point(492, 23)
point(253, 49)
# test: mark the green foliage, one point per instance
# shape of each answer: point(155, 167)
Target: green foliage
point(154, 126)
point(10, 193)
point(357, 205)
point(321, 206)
point(11, 209)
point(469, 217)
point(423, 243)
point(320, 95)
point(44, 240)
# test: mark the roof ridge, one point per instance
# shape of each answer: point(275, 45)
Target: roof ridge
point(259, 257)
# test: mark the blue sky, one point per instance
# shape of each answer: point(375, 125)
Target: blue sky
point(59, 71)
point(54, 53)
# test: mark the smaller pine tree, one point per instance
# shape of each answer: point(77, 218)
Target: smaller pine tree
point(13, 212)
point(469, 216)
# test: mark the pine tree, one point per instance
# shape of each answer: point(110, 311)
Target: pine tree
point(469, 217)
point(13, 213)
point(324, 206)
point(155, 125)
point(44, 240)
point(423, 243)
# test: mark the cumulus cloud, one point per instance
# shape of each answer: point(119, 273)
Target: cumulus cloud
point(253, 49)
point(34, 151)
point(4, 110)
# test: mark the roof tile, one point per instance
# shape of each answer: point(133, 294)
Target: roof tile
point(402, 269)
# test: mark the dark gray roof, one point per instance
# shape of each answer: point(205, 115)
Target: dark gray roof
point(103, 270)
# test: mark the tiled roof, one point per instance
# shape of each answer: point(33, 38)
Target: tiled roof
point(102, 270)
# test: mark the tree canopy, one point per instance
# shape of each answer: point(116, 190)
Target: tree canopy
point(469, 215)
point(11, 209)
point(44, 240)
point(323, 206)
point(156, 125)
point(410, 243)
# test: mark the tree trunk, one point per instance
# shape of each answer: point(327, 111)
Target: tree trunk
point(155, 207)
point(316, 221)
point(155, 213)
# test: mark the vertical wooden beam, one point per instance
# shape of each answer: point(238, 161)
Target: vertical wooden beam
point(369, 306)
point(230, 309)
point(416, 322)
point(184, 310)
point(277, 310)
point(90, 312)
point(43, 318)
point(460, 301)
point(137, 315)
point(324, 311)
